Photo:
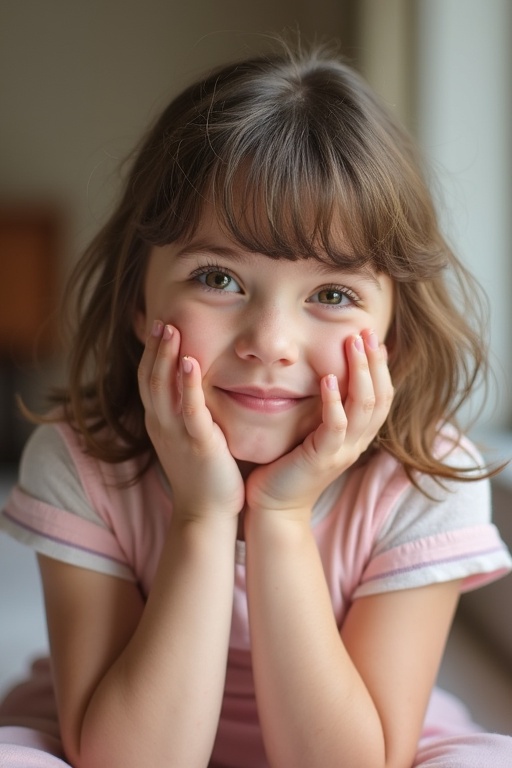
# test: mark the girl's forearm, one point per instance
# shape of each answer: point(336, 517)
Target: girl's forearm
point(159, 703)
point(313, 705)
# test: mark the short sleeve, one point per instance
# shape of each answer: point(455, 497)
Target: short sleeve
point(439, 533)
point(49, 510)
point(48, 474)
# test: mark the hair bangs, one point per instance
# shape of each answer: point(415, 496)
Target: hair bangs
point(276, 157)
point(295, 172)
point(289, 211)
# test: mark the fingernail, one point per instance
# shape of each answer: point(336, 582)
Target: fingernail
point(331, 382)
point(187, 364)
point(168, 332)
point(157, 329)
point(358, 344)
point(372, 340)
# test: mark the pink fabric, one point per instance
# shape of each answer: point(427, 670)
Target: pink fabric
point(62, 526)
point(476, 750)
point(28, 748)
point(22, 748)
point(32, 702)
point(450, 738)
point(29, 731)
point(135, 519)
point(448, 546)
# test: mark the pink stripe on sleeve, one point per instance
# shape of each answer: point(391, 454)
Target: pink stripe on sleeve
point(475, 554)
point(62, 527)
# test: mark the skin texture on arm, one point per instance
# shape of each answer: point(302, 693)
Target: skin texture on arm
point(361, 698)
point(143, 684)
point(150, 687)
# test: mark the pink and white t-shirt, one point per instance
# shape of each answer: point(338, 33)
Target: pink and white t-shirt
point(375, 532)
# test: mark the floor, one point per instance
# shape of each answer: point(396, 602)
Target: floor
point(469, 669)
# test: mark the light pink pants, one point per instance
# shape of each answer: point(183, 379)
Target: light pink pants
point(451, 739)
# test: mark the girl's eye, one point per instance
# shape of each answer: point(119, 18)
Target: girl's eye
point(218, 280)
point(334, 296)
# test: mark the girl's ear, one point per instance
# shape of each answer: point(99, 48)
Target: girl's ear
point(139, 325)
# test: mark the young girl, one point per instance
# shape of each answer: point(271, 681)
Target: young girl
point(253, 509)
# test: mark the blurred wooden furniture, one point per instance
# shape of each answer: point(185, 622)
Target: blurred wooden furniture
point(29, 271)
point(30, 254)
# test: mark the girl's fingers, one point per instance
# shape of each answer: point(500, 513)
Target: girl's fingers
point(147, 362)
point(361, 397)
point(381, 378)
point(352, 427)
point(370, 390)
point(158, 371)
point(330, 435)
point(170, 387)
point(196, 416)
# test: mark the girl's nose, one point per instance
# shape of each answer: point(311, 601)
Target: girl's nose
point(268, 337)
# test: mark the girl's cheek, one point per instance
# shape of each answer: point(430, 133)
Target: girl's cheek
point(199, 337)
point(332, 359)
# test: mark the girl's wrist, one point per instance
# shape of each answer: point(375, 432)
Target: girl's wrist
point(207, 511)
point(274, 523)
point(186, 522)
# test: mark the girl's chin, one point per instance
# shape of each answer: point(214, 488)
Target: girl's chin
point(266, 440)
point(249, 456)
point(264, 452)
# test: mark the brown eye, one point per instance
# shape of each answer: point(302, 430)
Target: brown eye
point(335, 296)
point(330, 296)
point(218, 281)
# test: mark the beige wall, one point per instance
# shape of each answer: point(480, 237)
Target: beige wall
point(386, 40)
point(80, 80)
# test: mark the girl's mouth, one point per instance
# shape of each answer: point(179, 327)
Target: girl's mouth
point(271, 400)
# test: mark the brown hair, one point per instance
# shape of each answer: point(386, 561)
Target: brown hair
point(286, 133)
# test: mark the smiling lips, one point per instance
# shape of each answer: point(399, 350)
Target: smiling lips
point(264, 401)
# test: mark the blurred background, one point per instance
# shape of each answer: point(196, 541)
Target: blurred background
point(79, 82)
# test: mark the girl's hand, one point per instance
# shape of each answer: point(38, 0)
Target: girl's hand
point(293, 483)
point(191, 448)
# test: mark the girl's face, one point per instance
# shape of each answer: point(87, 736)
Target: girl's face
point(264, 332)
